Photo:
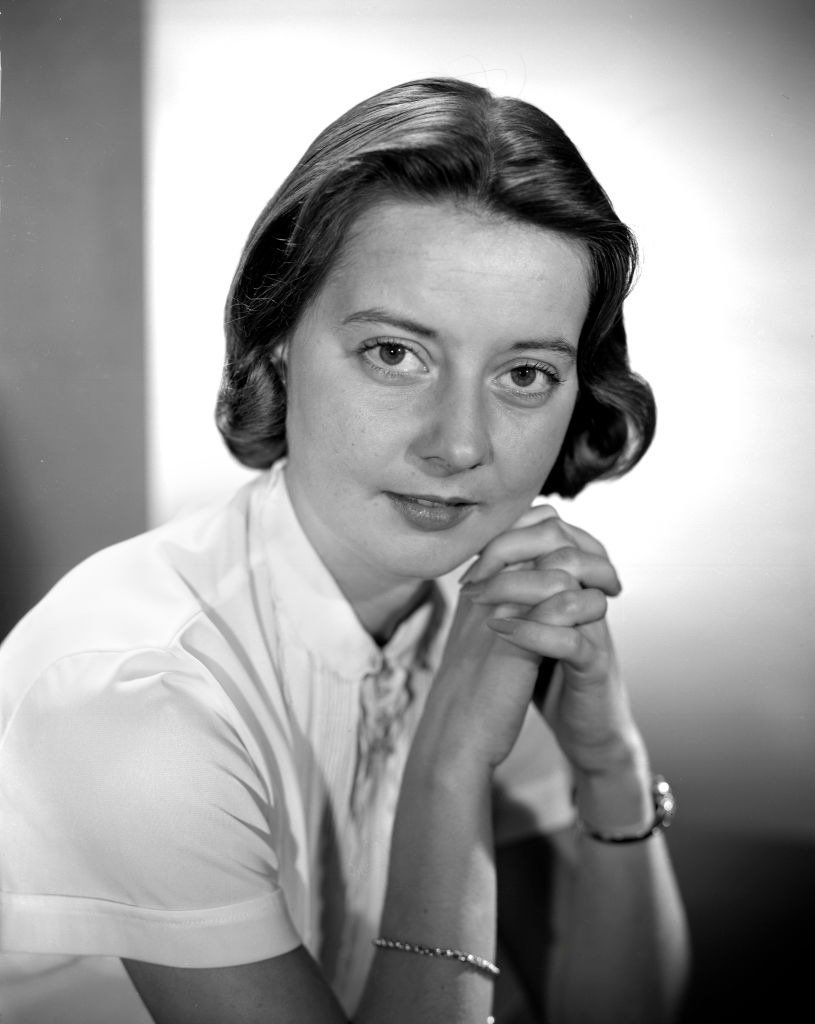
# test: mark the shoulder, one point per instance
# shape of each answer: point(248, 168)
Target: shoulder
point(137, 593)
point(127, 715)
point(114, 752)
point(139, 823)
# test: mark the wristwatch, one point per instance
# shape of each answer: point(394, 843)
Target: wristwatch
point(664, 811)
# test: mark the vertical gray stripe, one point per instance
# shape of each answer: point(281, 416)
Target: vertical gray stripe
point(72, 450)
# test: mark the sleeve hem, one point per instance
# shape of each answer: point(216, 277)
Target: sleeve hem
point(212, 937)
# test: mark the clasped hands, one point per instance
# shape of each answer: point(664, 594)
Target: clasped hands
point(534, 604)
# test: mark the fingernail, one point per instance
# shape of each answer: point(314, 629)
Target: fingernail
point(501, 626)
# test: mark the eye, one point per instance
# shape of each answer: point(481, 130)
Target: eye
point(391, 354)
point(524, 376)
point(392, 358)
point(531, 381)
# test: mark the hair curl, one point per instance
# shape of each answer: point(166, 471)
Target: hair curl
point(428, 140)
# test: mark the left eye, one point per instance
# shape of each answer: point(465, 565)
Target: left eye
point(390, 354)
point(524, 376)
point(531, 380)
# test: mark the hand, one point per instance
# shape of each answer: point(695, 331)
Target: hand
point(481, 692)
point(546, 584)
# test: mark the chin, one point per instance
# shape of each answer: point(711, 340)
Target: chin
point(427, 558)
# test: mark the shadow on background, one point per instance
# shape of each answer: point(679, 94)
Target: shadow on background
point(751, 904)
point(16, 549)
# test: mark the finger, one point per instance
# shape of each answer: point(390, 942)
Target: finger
point(518, 545)
point(562, 643)
point(566, 606)
point(589, 570)
point(540, 512)
point(571, 608)
point(523, 587)
point(531, 517)
point(535, 514)
point(585, 541)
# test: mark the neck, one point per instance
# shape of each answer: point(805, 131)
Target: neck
point(382, 614)
point(381, 601)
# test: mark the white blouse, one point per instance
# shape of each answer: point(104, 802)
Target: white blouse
point(200, 755)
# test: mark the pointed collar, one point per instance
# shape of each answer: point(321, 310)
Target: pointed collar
point(319, 617)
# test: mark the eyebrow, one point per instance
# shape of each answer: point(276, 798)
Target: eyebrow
point(382, 316)
point(377, 315)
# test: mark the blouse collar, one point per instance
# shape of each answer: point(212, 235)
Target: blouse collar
point(319, 615)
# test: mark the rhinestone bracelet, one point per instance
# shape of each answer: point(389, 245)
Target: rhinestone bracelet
point(479, 962)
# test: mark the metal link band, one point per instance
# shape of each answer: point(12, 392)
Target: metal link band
point(664, 810)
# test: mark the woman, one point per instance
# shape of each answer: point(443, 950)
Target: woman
point(285, 758)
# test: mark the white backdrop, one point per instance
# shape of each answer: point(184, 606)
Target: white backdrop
point(697, 118)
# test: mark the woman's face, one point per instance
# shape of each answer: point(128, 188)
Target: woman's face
point(430, 385)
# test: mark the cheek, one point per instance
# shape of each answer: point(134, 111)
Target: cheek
point(526, 449)
point(338, 420)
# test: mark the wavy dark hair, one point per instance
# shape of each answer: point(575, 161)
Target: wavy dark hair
point(429, 140)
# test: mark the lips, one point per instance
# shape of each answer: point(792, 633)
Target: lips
point(431, 511)
point(434, 499)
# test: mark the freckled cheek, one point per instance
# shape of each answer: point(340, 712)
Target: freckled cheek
point(353, 428)
point(525, 453)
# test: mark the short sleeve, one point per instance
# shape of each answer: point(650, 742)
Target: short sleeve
point(532, 785)
point(134, 823)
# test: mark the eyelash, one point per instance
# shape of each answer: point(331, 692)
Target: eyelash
point(369, 346)
point(554, 378)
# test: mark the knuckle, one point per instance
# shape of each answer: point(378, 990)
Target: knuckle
point(556, 529)
point(559, 579)
point(570, 558)
point(536, 514)
point(592, 545)
point(569, 602)
point(563, 557)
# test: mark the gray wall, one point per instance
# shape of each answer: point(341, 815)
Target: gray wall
point(72, 452)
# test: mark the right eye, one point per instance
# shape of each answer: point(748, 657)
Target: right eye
point(392, 358)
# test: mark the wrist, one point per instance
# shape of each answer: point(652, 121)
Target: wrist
point(618, 798)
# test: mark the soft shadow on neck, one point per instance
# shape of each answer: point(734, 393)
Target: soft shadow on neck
point(381, 622)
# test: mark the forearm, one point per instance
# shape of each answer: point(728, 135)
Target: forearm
point(622, 950)
point(441, 892)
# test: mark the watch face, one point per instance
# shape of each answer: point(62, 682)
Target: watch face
point(664, 802)
point(664, 810)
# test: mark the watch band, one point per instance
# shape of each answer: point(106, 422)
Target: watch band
point(664, 811)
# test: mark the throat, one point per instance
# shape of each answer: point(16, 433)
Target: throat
point(382, 614)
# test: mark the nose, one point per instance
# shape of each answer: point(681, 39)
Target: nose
point(454, 435)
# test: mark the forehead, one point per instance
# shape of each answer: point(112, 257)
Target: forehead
point(453, 265)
